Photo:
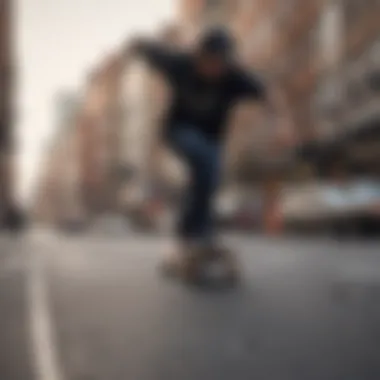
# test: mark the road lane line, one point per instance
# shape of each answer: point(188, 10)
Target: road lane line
point(43, 338)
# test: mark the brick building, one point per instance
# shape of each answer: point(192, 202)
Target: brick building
point(58, 193)
point(98, 133)
point(81, 177)
point(346, 101)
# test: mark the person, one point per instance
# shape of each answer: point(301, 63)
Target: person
point(207, 82)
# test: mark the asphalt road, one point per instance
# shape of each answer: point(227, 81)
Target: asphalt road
point(95, 308)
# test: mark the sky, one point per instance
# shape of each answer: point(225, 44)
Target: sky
point(57, 43)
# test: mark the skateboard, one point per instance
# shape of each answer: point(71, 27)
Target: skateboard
point(194, 265)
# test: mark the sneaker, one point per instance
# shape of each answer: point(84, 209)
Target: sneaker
point(171, 261)
point(190, 260)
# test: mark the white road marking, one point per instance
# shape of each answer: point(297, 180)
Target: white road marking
point(43, 339)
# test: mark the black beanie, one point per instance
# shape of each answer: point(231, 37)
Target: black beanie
point(217, 41)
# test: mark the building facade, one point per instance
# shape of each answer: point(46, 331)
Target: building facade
point(347, 96)
point(82, 176)
point(58, 193)
point(99, 132)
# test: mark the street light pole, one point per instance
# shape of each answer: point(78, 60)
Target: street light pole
point(7, 201)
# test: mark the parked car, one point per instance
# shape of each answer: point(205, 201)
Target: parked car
point(347, 209)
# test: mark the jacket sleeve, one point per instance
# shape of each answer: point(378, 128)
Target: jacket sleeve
point(158, 56)
point(246, 85)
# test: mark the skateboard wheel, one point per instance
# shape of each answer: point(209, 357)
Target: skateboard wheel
point(185, 265)
point(169, 265)
point(190, 268)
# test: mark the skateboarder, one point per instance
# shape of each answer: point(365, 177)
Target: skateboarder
point(206, 82)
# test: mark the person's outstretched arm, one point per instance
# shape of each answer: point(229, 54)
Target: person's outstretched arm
point(156, 54)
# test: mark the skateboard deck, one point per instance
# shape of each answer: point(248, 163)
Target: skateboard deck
point(196, 265)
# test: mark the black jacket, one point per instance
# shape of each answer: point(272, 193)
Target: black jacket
point(204, 105)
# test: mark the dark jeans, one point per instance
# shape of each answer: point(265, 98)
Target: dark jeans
point(203, 159)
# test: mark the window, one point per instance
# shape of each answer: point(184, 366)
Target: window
point(355, 93)
point(247, 5)
point(375, 54)
point(355, 10)
point(331, 35)
point(328, 99)
point(373, 80)
point(212, 4)
point(260, 41)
